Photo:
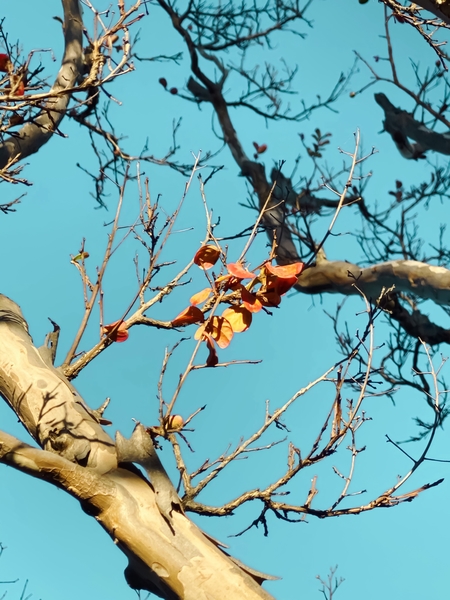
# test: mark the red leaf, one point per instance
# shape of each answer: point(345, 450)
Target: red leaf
point(238, 271)
point(5, 63)
point(173, 91)
point(117, 331)
point(284, 284)
point(285, 271)
point(190, 315)
point(260, 148)
point(250, 301)
point(207, 256)
point(163, 81)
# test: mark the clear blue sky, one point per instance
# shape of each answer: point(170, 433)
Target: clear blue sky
point(397, 553)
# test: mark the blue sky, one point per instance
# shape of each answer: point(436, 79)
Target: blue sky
point(401, 552)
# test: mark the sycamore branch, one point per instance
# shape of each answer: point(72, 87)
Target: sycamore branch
point(401, 125)
point(411, 276)
point(33, 136)
point(49, 407)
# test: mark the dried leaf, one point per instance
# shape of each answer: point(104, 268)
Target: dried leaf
point(238, 271)
point(190, 315)
point(5, 63)
point(175, 422)
point(117, 331)
point(250, 301)
point(281, 285)
point(285, 271)
point(219, 329)
point(207, 256)
point(238, 317)
point(200, 297)
point(213, 358)
point(269, 298)
point(259, 148)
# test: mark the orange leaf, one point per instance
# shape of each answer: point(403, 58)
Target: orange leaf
point(250, 301)
point(281, 285)
point(285, 271)
point(222, 332)
point(238, 317)
point(238, 271)
point(190, 315)
point(219, 329)
point(200, 297)
point(285, 284)
point(207, 256)
point(117, 331)
point(175, 422)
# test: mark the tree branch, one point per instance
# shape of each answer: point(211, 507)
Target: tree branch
point(401, 125)
point(33, 136)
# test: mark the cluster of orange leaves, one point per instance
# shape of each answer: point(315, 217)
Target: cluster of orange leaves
point(17, 81)
point(265, 289)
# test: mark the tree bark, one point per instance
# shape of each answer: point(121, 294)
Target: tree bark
point(32, 136)
point(168, 554)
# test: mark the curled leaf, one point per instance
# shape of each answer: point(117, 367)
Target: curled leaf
point(285, 271)
point(213, 358)
point(238, 317)
point(238, 271)
point(5, 63)
point(219, 329)
point(200, 297)
point(207, 256)
point(250, 301)
point(81, 256)
point(280, 285)
point(117, 331)
point(190, 315)
point(175, 422)
point(260, 148)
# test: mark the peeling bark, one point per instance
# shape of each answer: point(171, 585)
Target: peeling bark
point(410, 276)
point(168, 554)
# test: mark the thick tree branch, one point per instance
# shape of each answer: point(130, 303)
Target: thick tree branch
point(401, 125)
point(339, 277)
point(47, 404)
point(33, 136)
